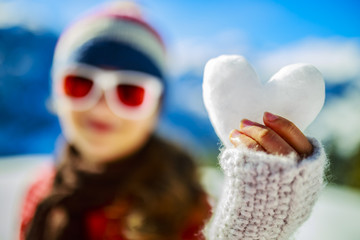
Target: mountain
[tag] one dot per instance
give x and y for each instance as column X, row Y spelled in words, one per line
column 184, row 116
column 26, row 126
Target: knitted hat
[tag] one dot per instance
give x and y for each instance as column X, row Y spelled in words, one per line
column 117, row 37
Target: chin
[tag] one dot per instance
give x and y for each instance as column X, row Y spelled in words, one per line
column 104, row 153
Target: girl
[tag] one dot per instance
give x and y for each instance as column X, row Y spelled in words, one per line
column 116, row 180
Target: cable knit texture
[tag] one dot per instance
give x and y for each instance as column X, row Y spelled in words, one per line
column 266, row 197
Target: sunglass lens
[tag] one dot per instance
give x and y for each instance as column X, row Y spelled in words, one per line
column 76, row 86
column 130, row 95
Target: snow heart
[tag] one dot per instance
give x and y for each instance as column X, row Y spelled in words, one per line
column 232, row 91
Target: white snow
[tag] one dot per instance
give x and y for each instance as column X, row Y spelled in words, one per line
column 232, row 91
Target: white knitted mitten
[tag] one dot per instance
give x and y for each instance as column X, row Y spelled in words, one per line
column 265, row 197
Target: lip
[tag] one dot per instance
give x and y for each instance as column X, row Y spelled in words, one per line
column 99, row 126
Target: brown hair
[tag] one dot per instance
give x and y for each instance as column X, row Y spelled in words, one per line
column 166, row 194
column 159, row 185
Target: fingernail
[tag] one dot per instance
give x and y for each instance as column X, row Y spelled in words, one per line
column 270, row 117
column 235, row 133
column 235, row 137
column 246, row 123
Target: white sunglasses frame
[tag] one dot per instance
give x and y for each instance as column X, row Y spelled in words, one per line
column 105, row 82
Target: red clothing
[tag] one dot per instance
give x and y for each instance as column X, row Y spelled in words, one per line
column 101, row 223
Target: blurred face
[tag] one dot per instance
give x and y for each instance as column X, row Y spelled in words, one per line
column 106, row 114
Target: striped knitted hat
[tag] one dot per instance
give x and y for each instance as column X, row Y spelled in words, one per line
column 115, row 37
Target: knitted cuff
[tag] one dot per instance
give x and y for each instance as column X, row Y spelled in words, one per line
column 266, row 196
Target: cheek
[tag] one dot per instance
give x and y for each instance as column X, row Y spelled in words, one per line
column 138, row 130
column 70, row 123
column 148, row 125
column 135, row 133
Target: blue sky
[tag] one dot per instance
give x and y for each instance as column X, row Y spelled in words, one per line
column 264, row 24
column 264, row 21
column 271, row 34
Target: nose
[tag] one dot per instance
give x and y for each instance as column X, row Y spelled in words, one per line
column 101, row 108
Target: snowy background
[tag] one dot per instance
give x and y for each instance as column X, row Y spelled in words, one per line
column 270, row 34
column 336, row 215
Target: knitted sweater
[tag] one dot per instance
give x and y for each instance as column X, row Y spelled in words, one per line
column 265, row 197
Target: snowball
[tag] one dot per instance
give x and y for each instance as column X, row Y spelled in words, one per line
column 232, row 91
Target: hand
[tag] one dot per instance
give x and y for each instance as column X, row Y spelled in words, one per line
column 278, row 136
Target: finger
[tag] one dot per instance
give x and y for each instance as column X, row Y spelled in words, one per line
column 289, row 132
column 239, row 139
column 266, row 137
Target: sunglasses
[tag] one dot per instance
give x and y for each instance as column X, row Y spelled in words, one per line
column 129, row 94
